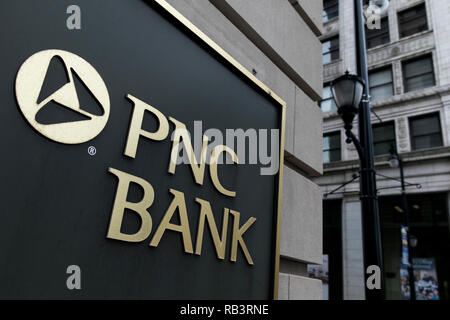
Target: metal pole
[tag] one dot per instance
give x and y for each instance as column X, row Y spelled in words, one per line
column 412, row 286
column 369, row 200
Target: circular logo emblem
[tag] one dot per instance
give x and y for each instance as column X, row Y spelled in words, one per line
column 62, row 96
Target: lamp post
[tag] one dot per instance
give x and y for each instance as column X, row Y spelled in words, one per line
column 396, row 162
column 352, row 97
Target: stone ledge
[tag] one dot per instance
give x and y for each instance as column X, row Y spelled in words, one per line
column 400, row 49
column 310, row 14
column 399, row 99
column 380, row 161
column 409, row 96
column 299, row 288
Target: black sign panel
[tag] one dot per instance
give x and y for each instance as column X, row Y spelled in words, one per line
column 66, row 123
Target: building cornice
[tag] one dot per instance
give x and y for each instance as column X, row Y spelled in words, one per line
column 381, row 161
column 400, row 99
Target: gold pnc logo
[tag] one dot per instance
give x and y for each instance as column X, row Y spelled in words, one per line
column 62, row 96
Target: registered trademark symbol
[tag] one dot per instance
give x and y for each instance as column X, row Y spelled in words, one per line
column 92, row 151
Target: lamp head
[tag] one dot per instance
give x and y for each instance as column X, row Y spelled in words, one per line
column 347, row 92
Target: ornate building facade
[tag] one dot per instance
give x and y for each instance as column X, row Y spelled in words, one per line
column 409, row 71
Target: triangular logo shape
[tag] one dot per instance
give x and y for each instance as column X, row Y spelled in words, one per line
column 68, row 94
column 54, row 112
column 87, row 101
column 55, row 77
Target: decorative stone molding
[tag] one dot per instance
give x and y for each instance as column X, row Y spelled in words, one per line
column 407, row 46
column 410, row 96
column 332, row 70
column 330, row 28
column 403, row 143
column 381, row 162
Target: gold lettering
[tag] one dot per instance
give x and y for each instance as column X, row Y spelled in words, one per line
column 213, row 168
column 206, row 212
column 179, row 203
column 121, row 203
column 136, row 126
column 181, row 133
column 237, row 237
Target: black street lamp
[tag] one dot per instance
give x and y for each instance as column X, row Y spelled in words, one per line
column 396, row 162
column 347, row 92
column 352, row 97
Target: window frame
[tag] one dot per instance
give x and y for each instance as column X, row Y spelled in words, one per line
column 400, row 22
column 393, row 141
column 405, row 78
column 376, row 33
column 389, row 67
column 424, row 116
column 332, row 50
column 328, row 99
column 333, row 133
column 336, row 5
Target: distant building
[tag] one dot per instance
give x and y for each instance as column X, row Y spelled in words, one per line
column 409, row 71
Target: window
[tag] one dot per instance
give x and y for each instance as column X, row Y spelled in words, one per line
column 412, row 20
column 327, row 103
column 330, row 49
column 332, row 147
column 383, row 138
column 418, row 73
column 330, row 10
column 425, row 132
column 376, row 37
column 381, row 84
